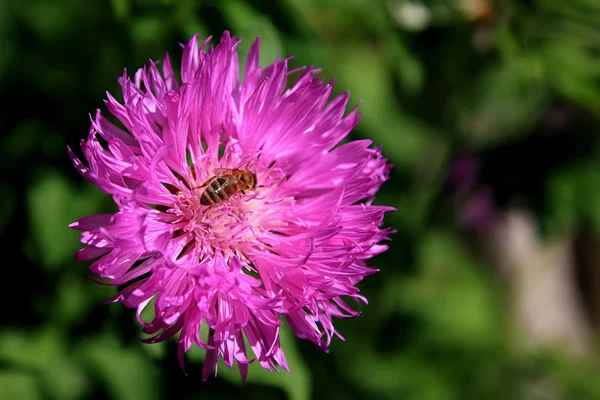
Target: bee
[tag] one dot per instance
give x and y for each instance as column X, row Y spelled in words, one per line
column 226, row 183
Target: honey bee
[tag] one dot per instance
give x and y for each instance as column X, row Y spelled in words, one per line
column 226, row 183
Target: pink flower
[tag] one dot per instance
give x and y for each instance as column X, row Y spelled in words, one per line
column 292, row 246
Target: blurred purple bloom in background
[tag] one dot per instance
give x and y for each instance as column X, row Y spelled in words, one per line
column 478, row 211
column 474, row 201
column 462, row 173
column 292, row 246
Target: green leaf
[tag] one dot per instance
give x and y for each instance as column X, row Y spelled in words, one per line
column 397, row 375
column 23, row 139
column 573, row 70
column 154, row 350
column 187, row 17
column 129, row 373
column 248, row 23
column 573, row 196
column 296, row 384
column 75, row 296
column 47, row 353
column 404, row 139
column 18, row 385
column 406, row 66
column 500, row 108
column 53, row 203
column 121, row 8
column 149, row 29
column 451, row 295
column 44, row 19
column 562, row 198
column 556, row 45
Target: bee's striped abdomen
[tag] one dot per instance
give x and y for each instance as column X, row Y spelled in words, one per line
column 215, row 192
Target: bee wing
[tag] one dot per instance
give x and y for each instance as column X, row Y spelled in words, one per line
column 223, row 171
column 205, row 184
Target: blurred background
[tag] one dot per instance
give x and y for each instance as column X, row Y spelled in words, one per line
column 489, row 111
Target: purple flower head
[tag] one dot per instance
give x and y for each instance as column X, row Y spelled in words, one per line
column 197, row 239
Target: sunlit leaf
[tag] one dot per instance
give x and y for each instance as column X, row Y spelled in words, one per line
column 189, row 19
column 128, row 372
column 121, row 8
column 48, row 353
column 403, row 138
column 18, row 385
column 148, row 29
column 397, row 376
column 75, row 297
column 452, row 295
column 296, row 383
column 53, row 203
column 249, row 23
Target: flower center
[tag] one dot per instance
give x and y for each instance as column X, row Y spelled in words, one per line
column 230, row 224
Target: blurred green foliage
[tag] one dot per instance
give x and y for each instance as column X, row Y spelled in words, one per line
column 513, row 84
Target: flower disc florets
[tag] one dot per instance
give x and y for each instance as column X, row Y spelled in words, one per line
column 291, row 246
